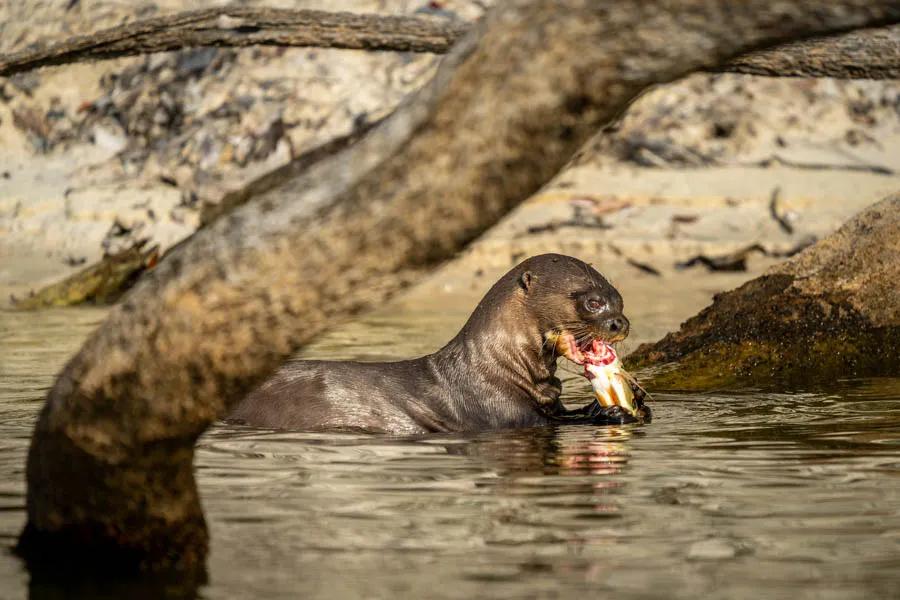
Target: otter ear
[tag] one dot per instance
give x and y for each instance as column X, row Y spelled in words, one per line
column 525, row 280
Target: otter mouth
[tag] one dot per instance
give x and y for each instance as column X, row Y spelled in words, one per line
column 587, row 352
column 611, row 383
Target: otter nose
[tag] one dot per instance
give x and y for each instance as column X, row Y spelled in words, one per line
column 618, row 326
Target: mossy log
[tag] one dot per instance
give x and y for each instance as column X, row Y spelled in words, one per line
column 101, row 283
column 832, row 311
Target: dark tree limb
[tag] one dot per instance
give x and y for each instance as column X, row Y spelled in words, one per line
column 870, row 54
column 110, row 463
column 867, row 54
column 243, row 26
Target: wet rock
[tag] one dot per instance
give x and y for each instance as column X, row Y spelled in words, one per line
column 832, row 311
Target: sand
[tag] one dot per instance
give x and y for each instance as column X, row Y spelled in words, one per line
column 691, row 168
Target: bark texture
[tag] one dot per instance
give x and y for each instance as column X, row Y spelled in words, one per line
column 870, row 54
column 243, row 26
column 867, row 54
column 512, row 102
column 832, row 311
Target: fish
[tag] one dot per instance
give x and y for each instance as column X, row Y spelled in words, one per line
column 610, row 381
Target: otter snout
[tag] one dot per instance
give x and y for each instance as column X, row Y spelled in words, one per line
column 616, row 328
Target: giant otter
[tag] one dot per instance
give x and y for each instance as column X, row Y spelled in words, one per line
column 497, row 373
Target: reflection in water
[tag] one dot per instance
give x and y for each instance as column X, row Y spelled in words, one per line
column 604, row 456
column 739, row 495
column 47, row 586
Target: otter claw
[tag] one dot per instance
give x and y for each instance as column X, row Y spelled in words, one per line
column 593, row 410
column 612, row 415
column 616, row 415
column 640, row 395
column 597, row 414
column 552, row 390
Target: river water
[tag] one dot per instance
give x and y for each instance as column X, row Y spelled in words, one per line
column 729, row 495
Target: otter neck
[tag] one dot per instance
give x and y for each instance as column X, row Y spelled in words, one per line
column 500, row 354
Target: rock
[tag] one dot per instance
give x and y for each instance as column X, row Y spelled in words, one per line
column 109, row 139
column 127, row 231
column 831, row 311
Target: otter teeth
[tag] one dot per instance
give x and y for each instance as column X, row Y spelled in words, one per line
column 602, row 367
column 566, row 346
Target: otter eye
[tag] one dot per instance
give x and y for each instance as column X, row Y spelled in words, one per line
column 594, row 305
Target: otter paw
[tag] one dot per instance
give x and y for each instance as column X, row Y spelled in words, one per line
column 640, row 398
column 645, row 412
column 550, row 391
column 639, row 393
column 610, row 415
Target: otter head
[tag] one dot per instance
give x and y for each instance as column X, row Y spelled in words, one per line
column 573, row 304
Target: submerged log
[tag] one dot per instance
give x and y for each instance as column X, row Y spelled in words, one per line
column 832, row 311
column 109, row 468
column 101, row 283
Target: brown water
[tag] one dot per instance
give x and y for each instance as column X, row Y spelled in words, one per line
column 730, row 495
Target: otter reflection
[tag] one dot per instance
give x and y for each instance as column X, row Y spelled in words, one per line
column 570, row 463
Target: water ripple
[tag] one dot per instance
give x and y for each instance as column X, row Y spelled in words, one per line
column 724, row 495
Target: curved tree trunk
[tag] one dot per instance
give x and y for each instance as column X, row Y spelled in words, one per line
column 109, row 471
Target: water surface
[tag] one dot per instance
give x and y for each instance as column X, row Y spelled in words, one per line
column 730, row 495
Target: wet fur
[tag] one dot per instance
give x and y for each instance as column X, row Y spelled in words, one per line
column 497, row 373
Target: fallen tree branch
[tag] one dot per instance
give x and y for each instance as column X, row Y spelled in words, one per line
column 867, row 54
column 244, row 26
column 110, row 467
column 870, row 54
